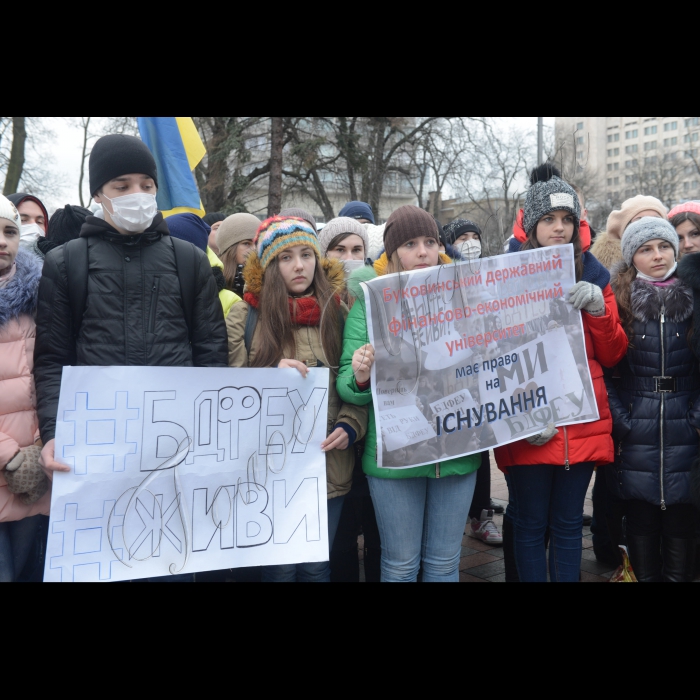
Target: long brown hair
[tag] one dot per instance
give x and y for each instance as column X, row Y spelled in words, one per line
column 622, row 286
column 533, row 244
column 230, row 266
column 686, row 216
column 276, row 325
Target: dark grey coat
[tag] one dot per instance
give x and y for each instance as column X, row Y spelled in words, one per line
column 656, row 433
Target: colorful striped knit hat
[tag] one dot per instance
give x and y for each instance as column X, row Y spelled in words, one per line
column 279, row 233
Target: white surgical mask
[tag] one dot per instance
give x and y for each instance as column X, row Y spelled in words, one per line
column 351, row 266
column 646, row 278
column 30, row 234
column 133, row 212
column 470, row 250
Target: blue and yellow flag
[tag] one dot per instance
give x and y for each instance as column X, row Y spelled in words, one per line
column 178, row 150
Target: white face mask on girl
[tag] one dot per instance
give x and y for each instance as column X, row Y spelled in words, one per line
column 133, row 212
column 647, row 278
column 30, row 234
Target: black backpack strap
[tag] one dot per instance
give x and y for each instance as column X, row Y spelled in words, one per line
column 187, row 269
column 250, row 326
column 76, row 257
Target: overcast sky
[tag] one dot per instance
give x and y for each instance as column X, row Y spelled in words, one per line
column 65, row 147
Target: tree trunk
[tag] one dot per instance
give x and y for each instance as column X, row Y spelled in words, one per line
column 16, row 164
column 274, row 204
column 86, row 137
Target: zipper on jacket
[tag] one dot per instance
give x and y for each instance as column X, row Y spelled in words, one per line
column 437, row 470
column 155, row 294
column 663, row 405
column 566, row 447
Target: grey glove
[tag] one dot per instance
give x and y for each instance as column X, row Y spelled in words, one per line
column 25, row 477
column 588, row 297
column 543, row 438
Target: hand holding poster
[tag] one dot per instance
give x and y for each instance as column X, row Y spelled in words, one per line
column 177, row 471
column 476, row 355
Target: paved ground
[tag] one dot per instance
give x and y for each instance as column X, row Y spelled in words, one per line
column 484, row 564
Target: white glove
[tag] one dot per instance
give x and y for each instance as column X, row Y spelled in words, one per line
column 588, row 297
column 543, row 438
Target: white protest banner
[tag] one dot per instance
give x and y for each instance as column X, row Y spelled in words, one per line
column 476, row 355
column 178, row 471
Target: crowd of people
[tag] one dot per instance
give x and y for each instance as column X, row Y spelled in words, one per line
column 123, row 286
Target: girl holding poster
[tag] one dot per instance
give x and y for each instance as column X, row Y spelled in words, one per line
column 421, row 512
column 292, row 317
column 549, row 474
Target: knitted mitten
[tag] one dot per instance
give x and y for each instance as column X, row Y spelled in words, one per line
column 25, row 477
column 589, row 298
column 543, row 438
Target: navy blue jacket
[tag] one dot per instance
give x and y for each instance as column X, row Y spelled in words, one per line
column 656, row 432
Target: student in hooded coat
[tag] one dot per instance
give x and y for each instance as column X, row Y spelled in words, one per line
column 346, row 240
column 235, row 241
column 655, row 405
column 24, row 488
column 214, row 222
column 608, row 246
column 117, row 296
column 192, row 229
column 35, row 221
column 296, row 213
column 686, row 220
column 463, row 242
column 549, row 474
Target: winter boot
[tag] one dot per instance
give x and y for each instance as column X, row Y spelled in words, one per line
column 679, row 560
column 645, row 555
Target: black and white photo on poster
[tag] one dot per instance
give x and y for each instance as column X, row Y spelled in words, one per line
column 475, row 355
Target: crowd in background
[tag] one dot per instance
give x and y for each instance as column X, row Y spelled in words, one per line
column 125, row 287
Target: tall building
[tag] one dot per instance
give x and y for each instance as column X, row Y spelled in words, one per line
column 620, row 157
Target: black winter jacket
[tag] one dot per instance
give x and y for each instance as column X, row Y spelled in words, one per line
column 655, row 432
column 134, row 315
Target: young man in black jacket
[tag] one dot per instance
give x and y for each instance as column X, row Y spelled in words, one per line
column 125, row 293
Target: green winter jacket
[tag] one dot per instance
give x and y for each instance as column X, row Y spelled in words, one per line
column 356, row 336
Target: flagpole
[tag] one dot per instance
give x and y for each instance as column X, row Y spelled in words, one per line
column 540, row 140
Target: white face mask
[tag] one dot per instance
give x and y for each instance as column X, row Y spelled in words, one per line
column 470, row 250
column 30, row 234
column 646, row 278
column 133, row 212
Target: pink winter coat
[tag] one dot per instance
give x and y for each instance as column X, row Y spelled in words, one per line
column 19, row 425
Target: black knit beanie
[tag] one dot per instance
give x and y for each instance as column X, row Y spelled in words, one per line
column 117, row 155
column 458, row 228
column 405, row 224
column 65, row 226
column 214, row 218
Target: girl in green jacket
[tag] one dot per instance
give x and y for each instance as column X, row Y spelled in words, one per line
column 421, row 512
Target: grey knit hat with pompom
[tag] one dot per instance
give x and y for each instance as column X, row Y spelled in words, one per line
column 647, row 229
column 545, row 197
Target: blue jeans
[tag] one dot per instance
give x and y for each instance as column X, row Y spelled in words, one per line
column 309, row 573
column 549, row 497
column 422, row 520
column 17, row 542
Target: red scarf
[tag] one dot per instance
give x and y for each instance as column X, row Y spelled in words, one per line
column 304, row 312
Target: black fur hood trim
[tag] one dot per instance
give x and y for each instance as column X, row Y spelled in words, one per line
column 647, row 301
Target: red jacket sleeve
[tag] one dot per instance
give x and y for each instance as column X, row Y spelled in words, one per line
column 610, row 342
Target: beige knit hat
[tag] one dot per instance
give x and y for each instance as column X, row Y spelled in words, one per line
column 620, row 220
column 338, row 227
column 236, row 229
